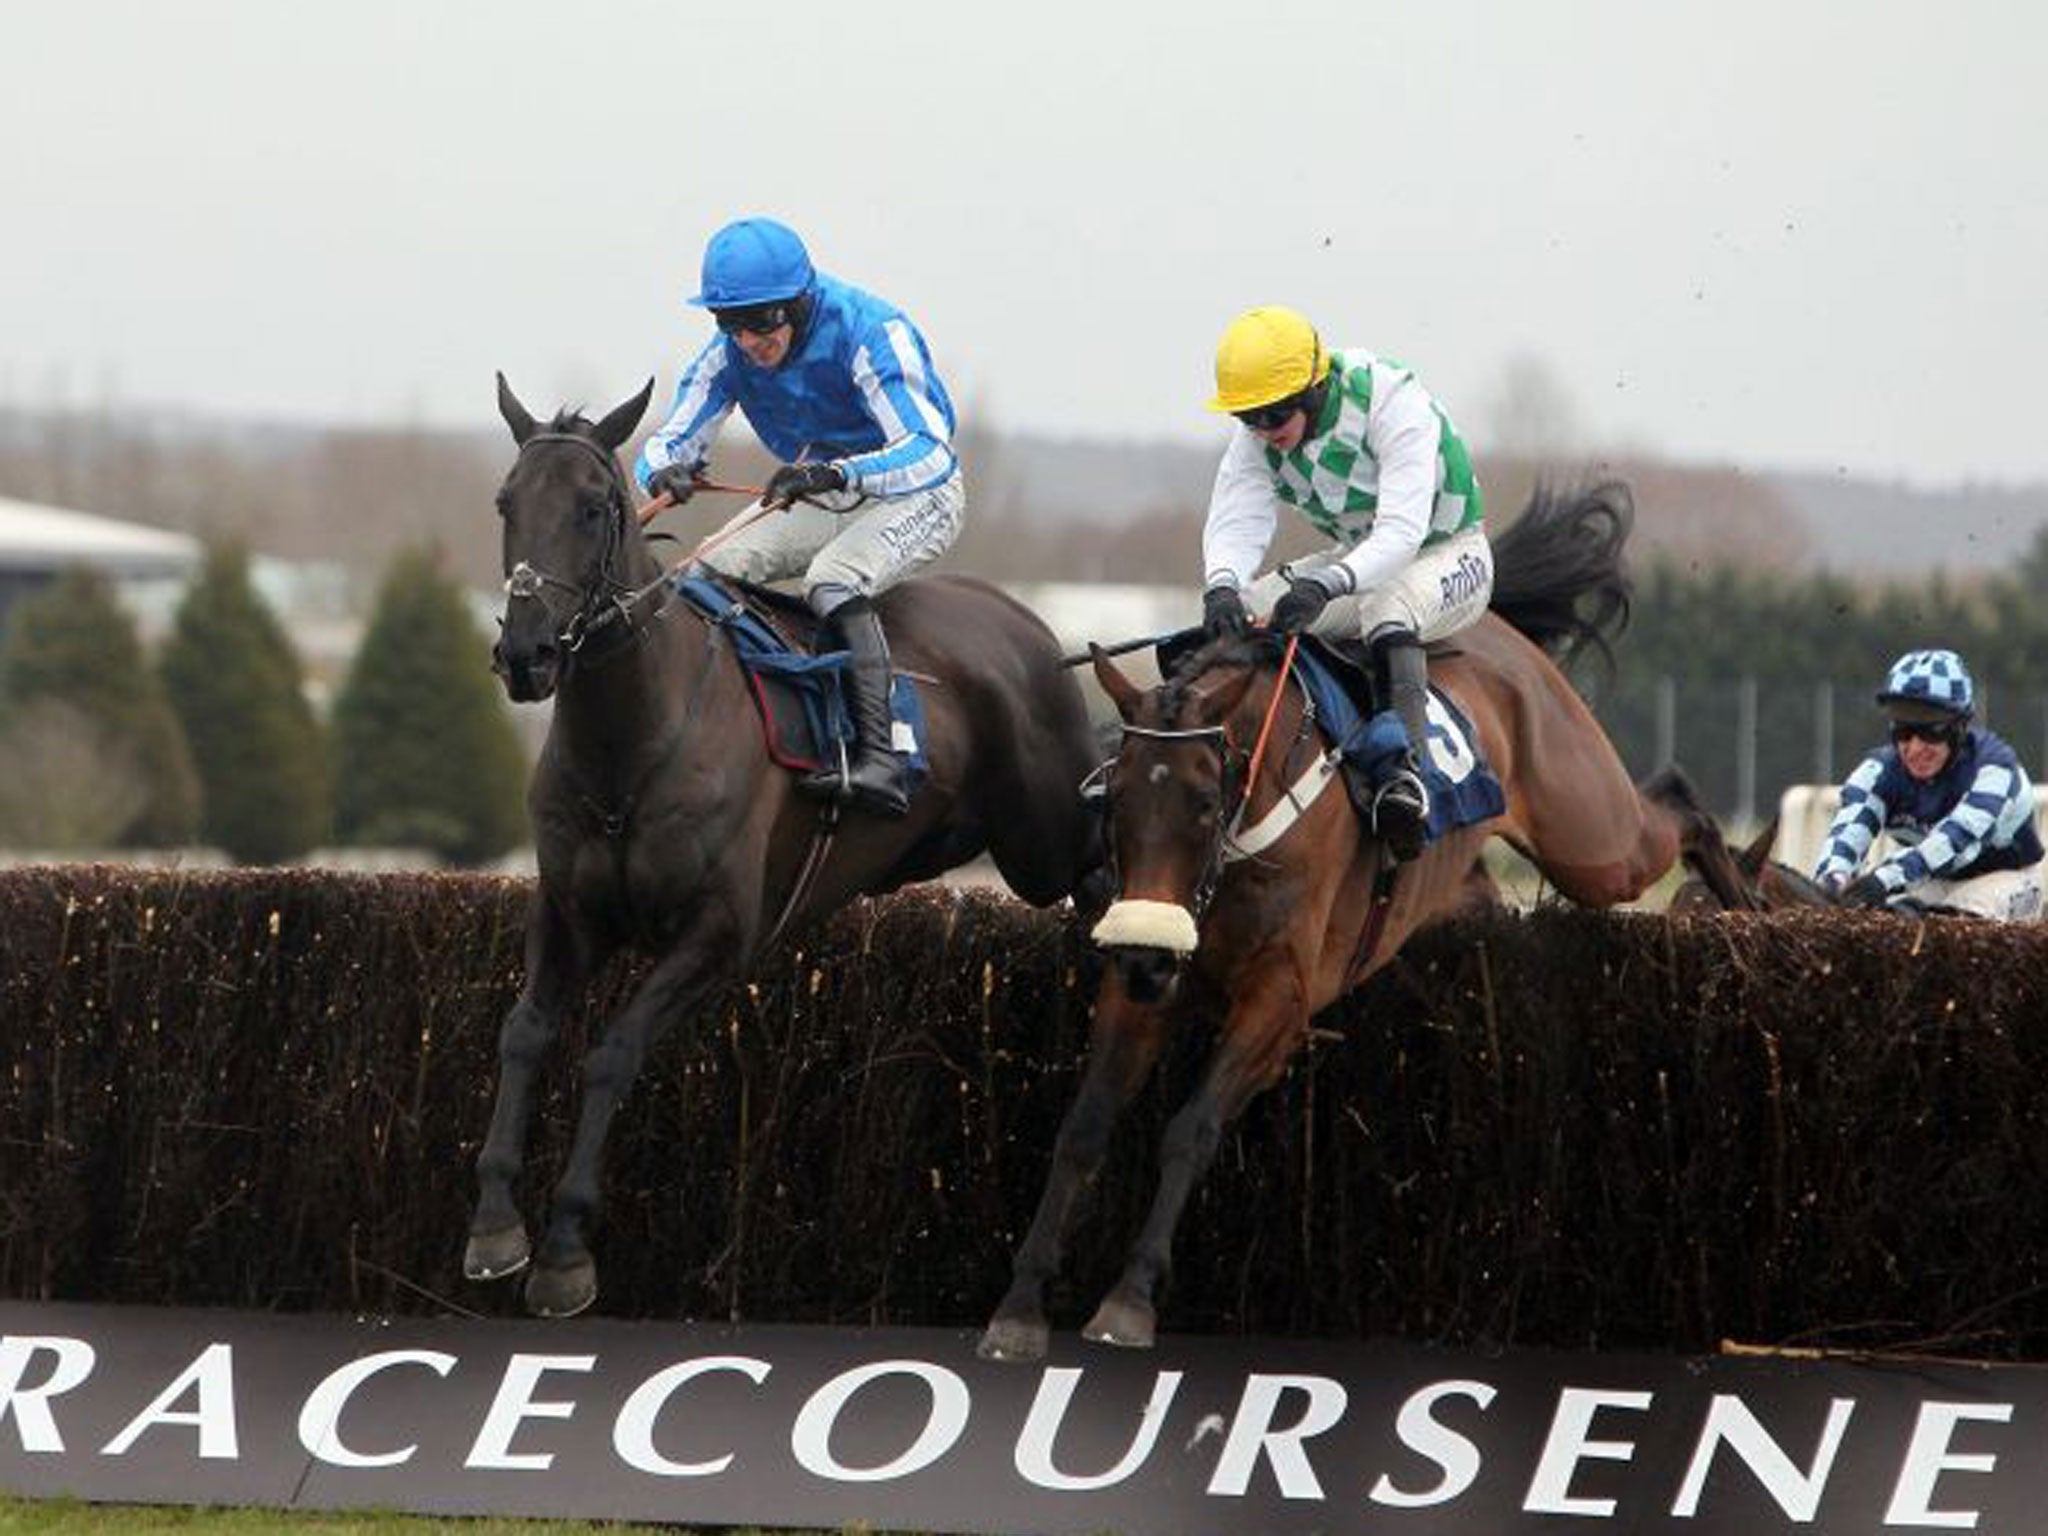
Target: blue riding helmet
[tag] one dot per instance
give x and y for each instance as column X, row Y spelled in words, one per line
column 1932, row 679
column 754, row 261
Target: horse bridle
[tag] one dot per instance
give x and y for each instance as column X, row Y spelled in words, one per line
column 605, row 599
column 1232, row 760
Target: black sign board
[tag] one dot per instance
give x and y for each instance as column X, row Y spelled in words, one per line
column 906, row 1429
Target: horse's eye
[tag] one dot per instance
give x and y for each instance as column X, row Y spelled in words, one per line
column 504, row 500
column 590, row 507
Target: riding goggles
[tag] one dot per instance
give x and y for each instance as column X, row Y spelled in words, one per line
column 756, row 319
column 1267, row 418
column 1943, row 733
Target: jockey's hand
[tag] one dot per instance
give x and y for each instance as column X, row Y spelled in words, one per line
column 1306, row 597
column 1223, row 613
column 793, row 481
column 678, row 482
column 1866, row 891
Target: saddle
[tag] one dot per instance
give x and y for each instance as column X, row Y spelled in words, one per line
column 799, row 691
column 1337, row 675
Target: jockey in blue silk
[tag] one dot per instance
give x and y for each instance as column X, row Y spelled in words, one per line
column 1952, row 795
column 840, row 386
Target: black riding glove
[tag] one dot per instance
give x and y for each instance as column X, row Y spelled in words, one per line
column 1304, row 600
column 1867, row 891
column 792, row 481
column 678, row 482
column 1223, row 613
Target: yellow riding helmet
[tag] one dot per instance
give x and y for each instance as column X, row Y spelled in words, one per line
column 1266, row 355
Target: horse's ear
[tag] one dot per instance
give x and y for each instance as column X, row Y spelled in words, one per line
column 618, row 426
column 1752, row 859
column 516, row 415
column 1123, row 693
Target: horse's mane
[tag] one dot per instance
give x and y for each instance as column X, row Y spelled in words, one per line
column 1224, row 651
column 570, row 418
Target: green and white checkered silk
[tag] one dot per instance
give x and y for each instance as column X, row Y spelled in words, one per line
column 1332, row 476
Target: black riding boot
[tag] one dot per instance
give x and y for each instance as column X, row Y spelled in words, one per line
column 874, row 780
column 1400, row 809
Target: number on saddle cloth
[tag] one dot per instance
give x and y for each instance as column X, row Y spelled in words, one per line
column 801, row 698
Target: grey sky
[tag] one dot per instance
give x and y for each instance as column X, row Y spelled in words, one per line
column 1781, row 233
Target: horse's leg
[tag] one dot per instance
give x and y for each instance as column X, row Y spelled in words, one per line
column 1122, row 1050
column 555, row 963
column 564, row 1279
column 1045, row 839
column 1267, row 1023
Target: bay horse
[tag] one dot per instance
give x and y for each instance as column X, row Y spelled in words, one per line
column 662, row 825
column 1258, row 944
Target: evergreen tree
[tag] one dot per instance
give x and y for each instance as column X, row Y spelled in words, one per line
column 237, row 685
column 72, row 644
column 425, row 752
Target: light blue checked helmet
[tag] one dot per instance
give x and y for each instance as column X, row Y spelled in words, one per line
column 1935, row 680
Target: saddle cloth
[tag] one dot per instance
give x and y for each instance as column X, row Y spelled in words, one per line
column 1462, row 787
column 801, row 696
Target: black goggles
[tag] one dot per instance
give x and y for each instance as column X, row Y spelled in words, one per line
column 1944, row 733
column 756, row 319
column 1268, row 418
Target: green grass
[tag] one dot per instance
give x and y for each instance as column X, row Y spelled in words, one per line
column 72, row 1517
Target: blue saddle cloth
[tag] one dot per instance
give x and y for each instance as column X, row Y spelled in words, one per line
column 1462, row 788
column 802, row 697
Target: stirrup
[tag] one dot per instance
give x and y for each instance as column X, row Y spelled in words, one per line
column 1400, row 814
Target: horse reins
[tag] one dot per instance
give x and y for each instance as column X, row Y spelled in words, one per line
column 527, row 581
column 604, row 599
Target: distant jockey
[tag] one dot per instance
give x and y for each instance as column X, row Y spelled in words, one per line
column 840, row 386
column 1356, row 445
column 1951, row 794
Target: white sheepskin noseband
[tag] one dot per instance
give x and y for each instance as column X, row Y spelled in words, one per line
column 1147, row 925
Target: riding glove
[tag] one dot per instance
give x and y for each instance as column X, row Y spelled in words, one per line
column 1867, row 891
column 1304, row 600
column 678, row 482
column 1223, row 613
column 792, row 481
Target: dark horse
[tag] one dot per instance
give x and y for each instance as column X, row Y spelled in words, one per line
column 1259, row 943
column 1764, row 883
column 662, row 826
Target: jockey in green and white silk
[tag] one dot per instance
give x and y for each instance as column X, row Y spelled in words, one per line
column 1355, row 444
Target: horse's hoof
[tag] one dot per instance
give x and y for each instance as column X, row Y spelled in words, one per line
column 561, row 1290
column 1120, row 1321
column 494, row 1255
column 1014, row 1338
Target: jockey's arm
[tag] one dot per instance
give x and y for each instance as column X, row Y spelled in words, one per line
column 1855, row 826
column 890, row 373
column 1242, row 514
column 701, row 405
column 1952, row 842
column 1405, row 435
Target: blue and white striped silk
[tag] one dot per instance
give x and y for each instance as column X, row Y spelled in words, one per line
column 1975, row 816
column 858, row 387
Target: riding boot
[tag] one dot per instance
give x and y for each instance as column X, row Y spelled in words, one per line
column 874, row 778
column 1400, row 808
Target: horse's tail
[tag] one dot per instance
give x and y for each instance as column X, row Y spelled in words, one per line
column 1557, row 569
